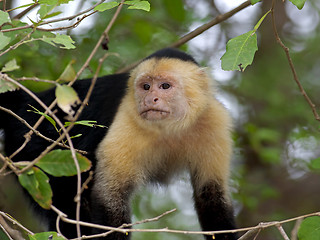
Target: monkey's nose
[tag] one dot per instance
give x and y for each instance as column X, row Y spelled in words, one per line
column 155, row 99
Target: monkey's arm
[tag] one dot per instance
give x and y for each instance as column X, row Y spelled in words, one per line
column 214, row 210
column 210, row 172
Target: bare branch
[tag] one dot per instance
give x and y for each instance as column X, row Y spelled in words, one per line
column 206, row 26
column 67, row 27
column 294, row 231
column 24, row 12
column 293, row 70
column 197, row 31
column 282, row 232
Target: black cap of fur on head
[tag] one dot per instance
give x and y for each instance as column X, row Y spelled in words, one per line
column 172, row 53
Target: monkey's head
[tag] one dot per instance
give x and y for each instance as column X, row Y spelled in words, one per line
column 169, row 91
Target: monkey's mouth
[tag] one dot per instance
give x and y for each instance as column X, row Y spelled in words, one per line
column 154, row 114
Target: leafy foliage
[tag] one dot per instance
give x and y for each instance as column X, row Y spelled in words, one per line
column 10, row 66
column 136, row 4
column 60, row 40
column 60, row 163
column 298, row 3
column 310, row 229
column 276, row 138
column 6, row 86
column 4, row 17
column 37, row 184
column 45, row 236
column 57, row 163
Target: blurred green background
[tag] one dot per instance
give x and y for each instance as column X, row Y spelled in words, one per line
column 275, row 134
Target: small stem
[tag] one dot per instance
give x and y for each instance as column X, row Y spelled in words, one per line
column 295, row 75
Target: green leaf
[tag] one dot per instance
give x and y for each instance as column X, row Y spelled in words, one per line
column 46, row 236
column 315, row 164
column 6, row 86
column 52, row 15
column 260, row 21
column 310, row 229
column 88, row 123
column 10, row 66
column 49, row 2
column 4, row 17
column 240, row 52
column 143, row 5
column 69, row 73
column 50, row 119
column 37, row 184
column 106, row 6
column 23, row 6
column 76, row 136
column 44, row 10
column 175, row 9
column 4, row 41
column 253, row 2
column 54, row 2
column 298, row 3
column 67, row 98
column 60, row 163
column 61, row 40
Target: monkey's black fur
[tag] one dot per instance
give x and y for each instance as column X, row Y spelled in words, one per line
column 214, row 213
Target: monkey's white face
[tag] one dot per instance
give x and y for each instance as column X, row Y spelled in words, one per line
column 160, row 97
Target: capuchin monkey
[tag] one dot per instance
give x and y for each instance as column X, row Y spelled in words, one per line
column 162, row 118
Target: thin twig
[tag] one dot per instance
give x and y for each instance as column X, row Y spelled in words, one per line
column 54, row 20
column 260, row 226
column 117, row 229
column 295, row 75
column 31, row 94
column 7, row 229
column 67, row 27
column 5, row 215
column 9, row 164
column 36, row 131
column 24, row 12
column 294, row 231
column 35, row 79
column 105, row 33
column 206, row 26
column 18, row 43
column 87, row 181
column 282, row 232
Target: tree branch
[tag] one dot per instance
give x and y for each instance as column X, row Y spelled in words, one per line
column 197, row 31
column 54, row 20
column 293, row 70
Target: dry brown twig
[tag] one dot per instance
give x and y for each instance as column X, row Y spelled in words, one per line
column 293, row 70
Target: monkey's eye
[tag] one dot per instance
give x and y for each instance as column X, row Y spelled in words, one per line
column 146, row 86
column 165, row 85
